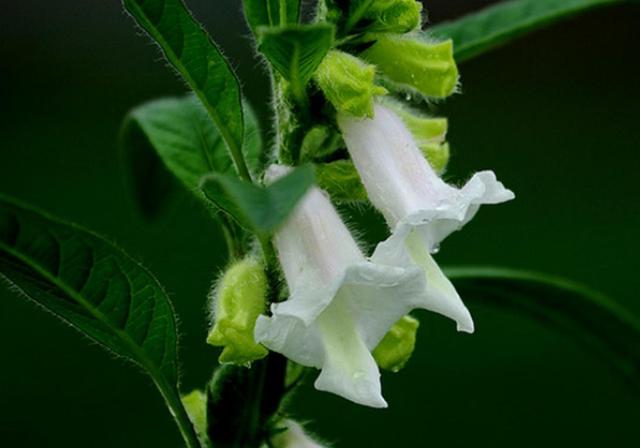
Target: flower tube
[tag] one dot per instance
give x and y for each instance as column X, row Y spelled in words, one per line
column 340, row 304
column 419, row 207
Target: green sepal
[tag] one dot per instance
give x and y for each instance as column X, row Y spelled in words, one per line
column 295, row 51
column 437, row 155
column 414, row 64
column 348, row 83
column 341, row 180
column 320, row 141
column 240, row 298
column 428, row 132
column 395, row 349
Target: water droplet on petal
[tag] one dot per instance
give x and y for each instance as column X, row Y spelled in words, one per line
column 435, row 249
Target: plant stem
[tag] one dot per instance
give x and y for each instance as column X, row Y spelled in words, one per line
column 283, row 12
column 234, row 247
column 239, row 162
column 173, row 402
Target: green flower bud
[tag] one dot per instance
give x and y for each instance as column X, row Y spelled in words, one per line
column 393, row 16
column 428, row 132
column 414, row 64
column 395, row 349
column 195, row 403
column 348, row 83
column 239, row 300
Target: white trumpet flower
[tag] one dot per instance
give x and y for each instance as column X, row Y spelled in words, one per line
column 419, row 207
column 340, row 304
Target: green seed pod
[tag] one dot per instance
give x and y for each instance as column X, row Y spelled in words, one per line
column 348, row 83
column 239, row 300
column 395, row 349
column 415, row 65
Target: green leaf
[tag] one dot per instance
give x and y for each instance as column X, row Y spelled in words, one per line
column 259, row 209
column 482, row 31
column 176, row 136
column 270, row 12
column 296, row 51
column 194, row 55
column 96, row 288
column 586, row 315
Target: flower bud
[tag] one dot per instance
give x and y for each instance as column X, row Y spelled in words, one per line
column 195, row 403
column 239, row 300
column 348, row 83
column 415, row 64
column 397, row 346
column 393, row 16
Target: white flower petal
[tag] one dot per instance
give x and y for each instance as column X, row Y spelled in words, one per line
column 409, row 248
column 370, row 299
column 349, row 369
column 291, row 337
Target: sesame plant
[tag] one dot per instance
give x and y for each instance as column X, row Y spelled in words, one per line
column 354, row 86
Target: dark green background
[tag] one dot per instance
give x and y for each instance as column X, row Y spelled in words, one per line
column 555, row 115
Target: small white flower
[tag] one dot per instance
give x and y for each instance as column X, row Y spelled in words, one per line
column 419, row 207
column 340, row 304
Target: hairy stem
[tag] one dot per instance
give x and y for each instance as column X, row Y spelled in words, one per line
column 180, row 416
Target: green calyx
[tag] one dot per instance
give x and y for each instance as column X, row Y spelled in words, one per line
column 395, row 349
column 393, row 16
column 320, row 141
column 414, row 64
column 239, row 300
column 428, row 132
column 437, row 154
column 348, row 83
column 341, row 180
